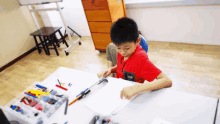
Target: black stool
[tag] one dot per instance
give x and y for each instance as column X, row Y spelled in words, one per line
column 48, row 38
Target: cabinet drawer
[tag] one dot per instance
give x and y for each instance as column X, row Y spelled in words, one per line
column 100, row 40
column 100, row 26
column 98, row 15
column 95, row 4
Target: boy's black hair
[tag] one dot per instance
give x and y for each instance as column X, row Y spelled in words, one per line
column 124, row 30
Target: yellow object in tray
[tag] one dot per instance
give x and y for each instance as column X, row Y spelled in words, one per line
column 37, row 92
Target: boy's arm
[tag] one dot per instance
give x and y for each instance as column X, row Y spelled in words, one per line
column 162, row 82
column 107, row 72
column 114, row 69
column 110, row 65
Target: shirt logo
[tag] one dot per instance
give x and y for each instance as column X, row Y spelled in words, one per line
column 129, row 76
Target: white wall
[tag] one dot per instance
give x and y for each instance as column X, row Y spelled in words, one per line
column 185, row 24
column 44, row 15
column 28, row 2
column 16, row 26
column 54, row 19
column 165, row 3
column 73, row 14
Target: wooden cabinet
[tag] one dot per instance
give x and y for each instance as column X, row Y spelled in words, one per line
column 100, row 15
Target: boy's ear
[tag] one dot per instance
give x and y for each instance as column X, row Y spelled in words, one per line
column 138, row 40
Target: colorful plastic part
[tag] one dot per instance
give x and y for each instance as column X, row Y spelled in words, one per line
column 37, row 92
column 31, row 95
column 16, row 108
column 45, row 98
column 38, row 107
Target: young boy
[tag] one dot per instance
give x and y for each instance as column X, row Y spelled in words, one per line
column 132, row 61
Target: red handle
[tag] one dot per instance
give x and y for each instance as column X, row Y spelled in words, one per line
column 61, row 87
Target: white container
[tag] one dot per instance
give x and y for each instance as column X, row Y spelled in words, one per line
column 29, row 117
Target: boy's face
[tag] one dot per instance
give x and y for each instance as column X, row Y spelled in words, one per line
column 128, row 48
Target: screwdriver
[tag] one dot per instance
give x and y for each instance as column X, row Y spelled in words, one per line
column 86, row 91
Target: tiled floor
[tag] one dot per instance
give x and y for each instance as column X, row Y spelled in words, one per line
column 192, row 68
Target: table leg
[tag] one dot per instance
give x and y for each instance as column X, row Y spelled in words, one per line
column 39, row 50
column 45, row 40
column 43, row 45
column 55, row 39
column 48, row 38
column 51, row 37
column 63, row 38
column 216, row 111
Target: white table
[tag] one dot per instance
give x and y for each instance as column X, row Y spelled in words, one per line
column 172, row 106
column 217, row 121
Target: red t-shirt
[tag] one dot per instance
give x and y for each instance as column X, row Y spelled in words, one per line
column 138, row 66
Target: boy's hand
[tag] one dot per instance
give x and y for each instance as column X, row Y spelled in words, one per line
column 104, row 73
column 130, row 91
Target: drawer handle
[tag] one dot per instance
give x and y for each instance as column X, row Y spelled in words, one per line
column 93, row 1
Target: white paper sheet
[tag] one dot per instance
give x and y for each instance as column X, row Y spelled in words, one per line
column 160, row 121
column 107, row 101
column 80, row 80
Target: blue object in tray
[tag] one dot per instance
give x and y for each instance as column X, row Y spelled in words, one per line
column 53, row 92
column 30, row 95
column 45, row 98
column 39, row 86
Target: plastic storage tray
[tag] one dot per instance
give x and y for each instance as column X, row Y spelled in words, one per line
column 28, row 114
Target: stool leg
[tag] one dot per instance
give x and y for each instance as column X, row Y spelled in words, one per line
column 54, row 45
column 43, row 45
column 55, row 39
column 63, row 38
column 39, row 50
column 45, row 40
column 47, row 45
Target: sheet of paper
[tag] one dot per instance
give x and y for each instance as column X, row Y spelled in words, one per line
column 108, row 100
column 80, row 80
column 160, row 121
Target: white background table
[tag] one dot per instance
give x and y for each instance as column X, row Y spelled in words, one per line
column 217, row 121
column 172, row 106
